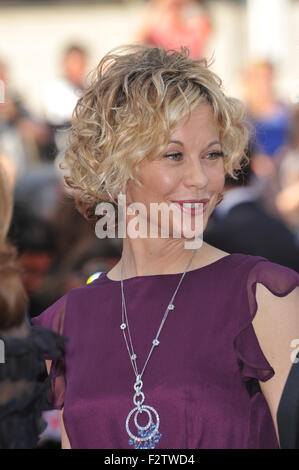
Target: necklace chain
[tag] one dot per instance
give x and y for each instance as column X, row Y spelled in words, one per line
column 125, row 323
column 148, row 435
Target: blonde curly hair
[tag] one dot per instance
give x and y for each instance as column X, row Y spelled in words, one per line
column 136, row 97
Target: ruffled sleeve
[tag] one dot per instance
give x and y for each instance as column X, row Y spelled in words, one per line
column 53, row 318
column 280, row 281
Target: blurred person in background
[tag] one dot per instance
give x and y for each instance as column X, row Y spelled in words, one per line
column 41, row 191
column 78, row 255
column 24, row 140
column 175, row 23
column 268, row 115
column 23, row 392
column 62, row 94
column 241, row 224
column 88, row 258
column 70, row 242
column 287, row 199
column 55, row 257
column 35, row 240
column 12, row 147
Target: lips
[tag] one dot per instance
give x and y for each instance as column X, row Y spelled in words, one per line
column 182, row 201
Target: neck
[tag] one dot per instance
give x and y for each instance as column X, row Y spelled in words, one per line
column 146, row 257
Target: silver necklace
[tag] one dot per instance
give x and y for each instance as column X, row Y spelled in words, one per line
column 148, row 435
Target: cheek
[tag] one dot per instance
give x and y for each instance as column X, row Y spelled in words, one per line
column 157, row 184
column 217, row 178
column 163, row 184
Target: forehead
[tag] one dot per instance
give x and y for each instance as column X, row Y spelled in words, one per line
column 200, row 124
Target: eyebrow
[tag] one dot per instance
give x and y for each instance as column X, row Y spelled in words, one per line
column 214, row 142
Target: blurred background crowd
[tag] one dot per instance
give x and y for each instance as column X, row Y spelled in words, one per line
column 47, row 49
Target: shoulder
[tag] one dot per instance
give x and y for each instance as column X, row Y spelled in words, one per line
column 239, row 261
column 93, row 286
column 270, row 296
column 278, row 279
column 87, row 289
column 90, row 294
column 273, row 291
column 70, row 305
column 277, row 316
column 261, row 270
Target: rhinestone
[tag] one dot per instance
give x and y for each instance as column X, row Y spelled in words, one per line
column 156, row 342
column 170, row 307
column 133, row 357
column 123, row 326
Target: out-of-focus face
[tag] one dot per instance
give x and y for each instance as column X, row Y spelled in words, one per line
column 191, row 168
column 75, row 67
column 260, row 79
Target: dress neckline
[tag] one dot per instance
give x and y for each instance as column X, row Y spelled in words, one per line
column 164, row 276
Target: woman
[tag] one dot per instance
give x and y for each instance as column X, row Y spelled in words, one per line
column 23, row 395
column 170, row 348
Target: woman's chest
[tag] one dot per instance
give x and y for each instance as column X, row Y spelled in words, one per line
column 190, row 379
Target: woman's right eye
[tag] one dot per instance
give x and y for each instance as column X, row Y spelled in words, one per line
column 173, row 156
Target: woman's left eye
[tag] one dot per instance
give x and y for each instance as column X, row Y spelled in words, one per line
column 174, row 156
column 215, row 155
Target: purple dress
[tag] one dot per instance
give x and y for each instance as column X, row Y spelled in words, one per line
column 203, row 377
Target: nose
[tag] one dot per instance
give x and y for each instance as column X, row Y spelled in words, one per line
column 195, row 174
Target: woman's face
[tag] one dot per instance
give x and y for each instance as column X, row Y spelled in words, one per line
column 190, row 169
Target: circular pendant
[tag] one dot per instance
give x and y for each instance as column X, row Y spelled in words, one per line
column 148, row 435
